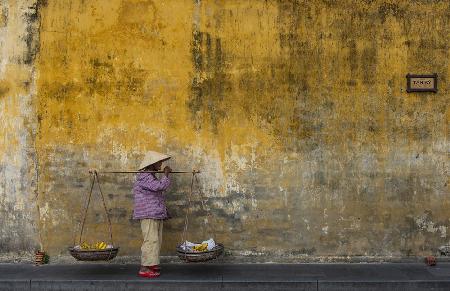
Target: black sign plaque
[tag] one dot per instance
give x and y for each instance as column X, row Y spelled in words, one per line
column 421, row 83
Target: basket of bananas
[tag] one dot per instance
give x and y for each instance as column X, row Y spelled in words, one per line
column 99, row 251
column 199, row 252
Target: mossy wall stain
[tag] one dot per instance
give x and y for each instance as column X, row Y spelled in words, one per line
column 296, row 113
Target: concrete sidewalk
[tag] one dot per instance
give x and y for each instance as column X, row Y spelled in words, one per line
column 215, row 276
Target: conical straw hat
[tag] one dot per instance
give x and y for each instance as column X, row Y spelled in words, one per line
column 152, row 157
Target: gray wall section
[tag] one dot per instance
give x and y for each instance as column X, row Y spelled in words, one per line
column 18, row 173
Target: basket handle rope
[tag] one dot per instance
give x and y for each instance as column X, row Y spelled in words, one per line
column 208, row 213
column 186, row 219
column 94, row 178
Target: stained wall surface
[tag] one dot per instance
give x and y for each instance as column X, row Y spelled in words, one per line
column 18, row 164
column 296, row 112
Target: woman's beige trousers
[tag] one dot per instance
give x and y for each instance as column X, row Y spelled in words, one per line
column 152, row 233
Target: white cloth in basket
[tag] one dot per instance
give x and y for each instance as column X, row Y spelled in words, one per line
column 188, row 246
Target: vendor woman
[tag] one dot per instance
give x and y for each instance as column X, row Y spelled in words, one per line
column 150, row 209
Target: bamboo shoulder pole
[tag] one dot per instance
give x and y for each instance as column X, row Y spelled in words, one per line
column 133, row 172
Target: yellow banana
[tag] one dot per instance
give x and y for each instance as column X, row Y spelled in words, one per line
column 101, row 245
column 201, row 247
column 85, row 246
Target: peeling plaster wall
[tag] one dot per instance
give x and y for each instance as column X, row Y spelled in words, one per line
column 18, row 175
column 295, row 111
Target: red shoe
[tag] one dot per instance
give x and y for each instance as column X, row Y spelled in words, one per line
column 149, row 274
column 155, row 268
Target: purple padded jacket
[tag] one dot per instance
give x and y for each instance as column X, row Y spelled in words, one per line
column 149, row 200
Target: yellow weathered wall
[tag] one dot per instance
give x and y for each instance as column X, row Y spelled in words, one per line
column 295, row 111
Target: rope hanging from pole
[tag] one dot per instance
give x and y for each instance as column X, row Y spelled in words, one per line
column 95, row 178
column 194, row 179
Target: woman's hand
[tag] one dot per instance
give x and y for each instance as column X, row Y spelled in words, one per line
column 167, row 170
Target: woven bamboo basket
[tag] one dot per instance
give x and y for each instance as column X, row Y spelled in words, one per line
column 200, row 256
column 94, row 255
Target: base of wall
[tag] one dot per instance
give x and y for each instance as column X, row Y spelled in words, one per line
column 230, row 258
